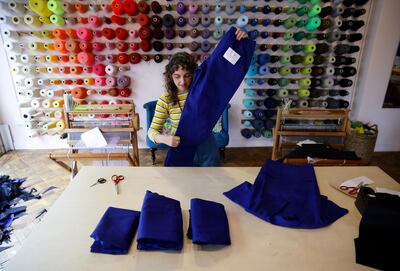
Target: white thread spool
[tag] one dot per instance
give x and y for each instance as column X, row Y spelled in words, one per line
column 35, row 103
column 42, row 82
column 123, row 68
column 5, row 20
column 55, row 93
column 32, row 21
column 32, row 93
column 32, row 114
column 33, row 133
column 31, row 124
column 39, row 59
column 13, row 59
column 329, row 71
column 16, row 7
column 19, row 82
column 328, row 82
column 21, row 93
column 29, row 82
column 10, row 34
column 58, row 114
column 49, row 114
column 29, row 70
column 13, row 47
column 27, row 59
column 91, row 116
column 46, row 103
column 50, row 69
column 16, row 20
column 111, row 70
column 24, row 104
column 331, row 59
column 43, row 92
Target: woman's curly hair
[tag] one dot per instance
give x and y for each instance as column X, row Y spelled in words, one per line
column 184, row 60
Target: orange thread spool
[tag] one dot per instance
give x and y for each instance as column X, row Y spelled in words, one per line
column 73, row 59
column 59, row 46
column 64, row 58
column 71, row 33
column 81, row 8
column 60, row 34
column 76, row 70
column 72, row 46
column 79, row 92
column 89, row 81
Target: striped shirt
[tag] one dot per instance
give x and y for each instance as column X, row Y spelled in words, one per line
column 166, row 110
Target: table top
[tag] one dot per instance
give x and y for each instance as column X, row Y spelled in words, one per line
column 61, row 241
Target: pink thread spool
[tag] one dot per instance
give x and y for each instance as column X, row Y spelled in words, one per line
column 111, row 58
column 84, row 33
column 99, row 58
column 110, row 45
column 100, row 81
column 99, row 69
column 87, row 69
column 111, row 81
column 95, row 21
column 86, row 58
column 97, row 33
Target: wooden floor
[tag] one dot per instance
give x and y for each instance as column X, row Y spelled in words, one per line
column 43, row 172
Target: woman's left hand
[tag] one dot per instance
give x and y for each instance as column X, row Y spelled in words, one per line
column 240, row 34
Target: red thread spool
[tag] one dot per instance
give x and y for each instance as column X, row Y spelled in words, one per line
column 99, row 69
column 76, row 70
column 98, row 46
column 64, row 59
column 86, row 58
column 108, row 33
column 68, row 82
column 95, row 21
column 85, row 46
column 103, row 92
column 145, row 45
column 79, row 93
column 78, row 81
column 122, row 58
column 122, row 46
column 143, row 20
column 121, row 33
column 145, row 33
column 143, row 7
column 134, row 58
column 72, row 46
column 100, row 81
column 125, row 92
column 117, row 7
column 130, row 7
column 84, row 33
column 65, row 70
column 113, row 92
column 134, row 46
column 118, row 20
column 60, row 34
column 81, row 8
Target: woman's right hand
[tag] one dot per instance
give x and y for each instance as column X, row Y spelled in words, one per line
column 170, row 140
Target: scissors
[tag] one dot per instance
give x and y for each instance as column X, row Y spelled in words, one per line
column 116, row 179
column 351, row 190
column 99, row 181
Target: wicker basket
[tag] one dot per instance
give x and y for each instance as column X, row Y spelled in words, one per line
column 362, row 144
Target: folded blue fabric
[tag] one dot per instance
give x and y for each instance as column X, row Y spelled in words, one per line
column 214, row 83
column 160, row 225
column 115, row 231
column 208, row 223
column 287, row 195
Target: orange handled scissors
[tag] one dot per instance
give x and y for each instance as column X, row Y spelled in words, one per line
column 116, row 179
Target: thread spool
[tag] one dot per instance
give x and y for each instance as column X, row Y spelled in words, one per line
column 29, row 82
column 49, row 125
column 46, row 103
column 32, row 93
column 16, row 7
column 58, row 114
column 29, row 70
column 56, row 7
column 57, row 20
column 49, row 114
column 44, row 20
column 58, row 103
column 32, row 124
column 60, row 125
column 32, row 21
column 10, row 34
column 5, row 20
column 16, row 20
column 39, row 7
column 37, row 46
column 54, row 93
column 13, row 47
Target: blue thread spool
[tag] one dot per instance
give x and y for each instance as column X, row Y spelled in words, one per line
column 247, row 123
column 263, row 70
column 250, row 82
column 246, row 133
column 242, row 21
column 249, row 104
column 250, row 92
column 260, row 82
column 252, row 70
column 253, row 34
column 266, row 22
column 257, row 124
column 270, row 103
column 263, row 59
column 264, row 34
column 253, row 22
column 218, row 33
column 254, row 59
column 266, row 9
column 218, row 21
column 230, row 9
column 254, row 9
column 218, row 8
column 259, row 114
column 260, row 92
column 247, row 114
column 256, row 133
column 242, row 9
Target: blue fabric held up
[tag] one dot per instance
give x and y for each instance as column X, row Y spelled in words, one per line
column 160, row 225
column 287, row 195
column 208, row 223
column 115, row 230
column 214, row 83
column 207, row 154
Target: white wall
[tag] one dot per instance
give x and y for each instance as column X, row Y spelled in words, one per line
column 383, row 37
column 378, row 56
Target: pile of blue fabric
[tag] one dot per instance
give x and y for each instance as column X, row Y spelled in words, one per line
column 11, row 193
column 160, row 226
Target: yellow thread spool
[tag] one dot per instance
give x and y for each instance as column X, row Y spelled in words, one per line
column 49, row 46
column 50, row 125
column 37, row 46
column 61, row 125
column 39, row 7
column 89, row 81
column 44, row 20
column 51, row 58
column 55, row 82
column 58, row 103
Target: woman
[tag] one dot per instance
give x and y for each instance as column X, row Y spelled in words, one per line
column 178, row 76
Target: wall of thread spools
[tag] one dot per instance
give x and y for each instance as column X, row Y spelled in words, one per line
column 307, row 51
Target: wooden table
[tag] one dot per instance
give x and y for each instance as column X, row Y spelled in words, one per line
column 62, row 242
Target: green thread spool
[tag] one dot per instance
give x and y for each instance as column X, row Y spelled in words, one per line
column 302, row 10
column 314, row 2
column 310, row 36
column 308, row 60
column 290, row 10
column 301, row 23
column 302, row 93
column 297, row 48
column 288, row 35
column 304, row 82
column 305, row 71
column 286, row 47
column 283, row 93
column 302, row 1
column 284, row 70
column 289, row 22
column 313, row 23
column 57, row 20
column 309, row 48
column 298, row 36
column 284, row 59
column 282, row 82
column 314, row 11
column 56, row 7
column 249, row 103
column 247, row 123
